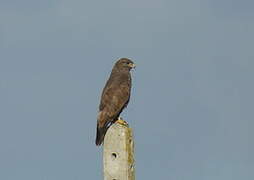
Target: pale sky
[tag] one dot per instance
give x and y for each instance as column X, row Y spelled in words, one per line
column 191, row 107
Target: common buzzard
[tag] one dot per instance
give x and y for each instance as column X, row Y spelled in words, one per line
column 115, row 97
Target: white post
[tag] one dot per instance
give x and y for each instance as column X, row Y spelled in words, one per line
column 118, row 153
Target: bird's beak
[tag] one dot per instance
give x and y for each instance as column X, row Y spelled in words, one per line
column 132, row 65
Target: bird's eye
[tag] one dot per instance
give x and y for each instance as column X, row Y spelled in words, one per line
column 127, row 62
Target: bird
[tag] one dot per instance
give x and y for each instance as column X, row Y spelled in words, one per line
column 114, row 98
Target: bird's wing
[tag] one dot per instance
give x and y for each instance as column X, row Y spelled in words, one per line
column 114, row 98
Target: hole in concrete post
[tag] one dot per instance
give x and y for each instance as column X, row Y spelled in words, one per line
column 113, row 155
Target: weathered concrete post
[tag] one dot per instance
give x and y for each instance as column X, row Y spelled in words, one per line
column 118, row 153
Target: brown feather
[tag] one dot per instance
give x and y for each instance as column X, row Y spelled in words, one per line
column 115, row 97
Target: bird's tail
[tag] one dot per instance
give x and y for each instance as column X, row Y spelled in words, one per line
column 101, row 131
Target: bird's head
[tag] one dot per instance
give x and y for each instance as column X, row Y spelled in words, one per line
column 125, row 63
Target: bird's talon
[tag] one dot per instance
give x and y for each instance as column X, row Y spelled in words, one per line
column 122, row 122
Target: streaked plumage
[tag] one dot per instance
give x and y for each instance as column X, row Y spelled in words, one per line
column 115, row 97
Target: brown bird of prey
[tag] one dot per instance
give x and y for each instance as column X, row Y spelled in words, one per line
column 115, row 97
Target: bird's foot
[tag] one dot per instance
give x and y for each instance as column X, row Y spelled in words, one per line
column 122, row 122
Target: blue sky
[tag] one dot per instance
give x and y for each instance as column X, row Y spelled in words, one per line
column 192, row 100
